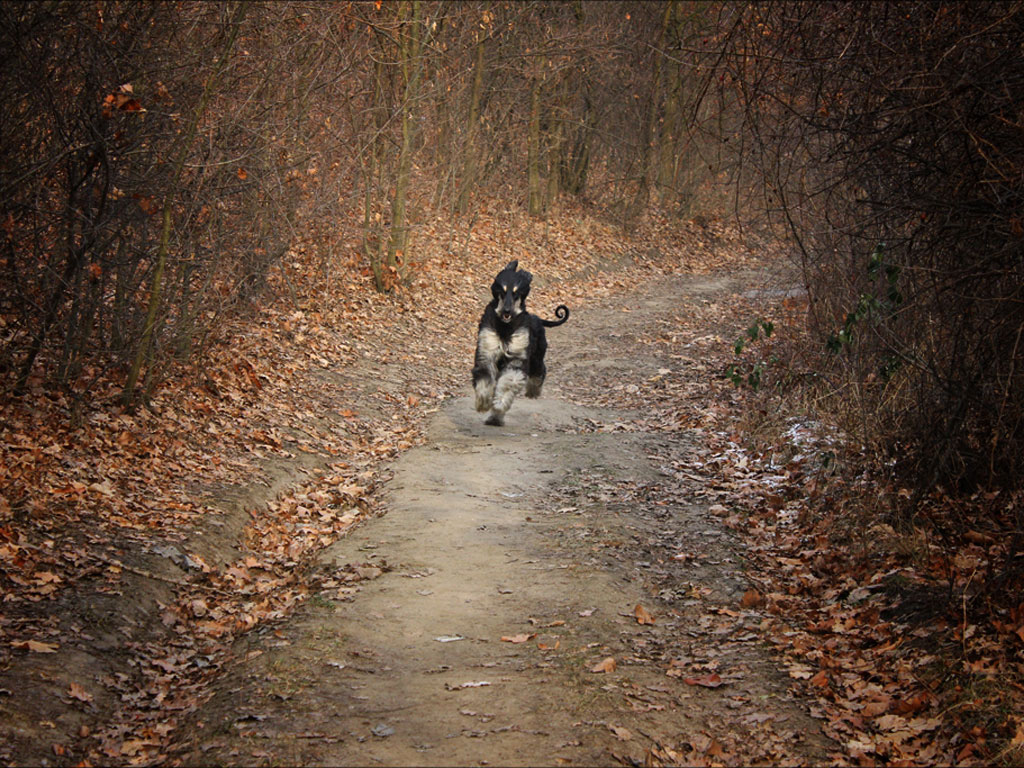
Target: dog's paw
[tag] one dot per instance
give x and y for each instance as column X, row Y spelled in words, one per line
column 533, row 387
column 495, row 420
column 483, row 403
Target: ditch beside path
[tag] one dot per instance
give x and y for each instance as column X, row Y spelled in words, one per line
column 557, row 591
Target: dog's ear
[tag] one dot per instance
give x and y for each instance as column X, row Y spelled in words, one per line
column 523, row 279
column 512, row 266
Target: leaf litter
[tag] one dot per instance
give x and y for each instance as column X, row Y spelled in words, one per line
column 85, row 498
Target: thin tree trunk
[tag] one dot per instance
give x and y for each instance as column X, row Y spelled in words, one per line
column 470, row 158
column 142, row 354
column 412, row 65
column 555, row 142
column 76, row 254
column 643, row 191
column 668, row 146
column 373, row 246
column 536, row 198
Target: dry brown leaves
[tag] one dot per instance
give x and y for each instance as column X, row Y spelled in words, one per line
column 330, row 370
column 862, row 617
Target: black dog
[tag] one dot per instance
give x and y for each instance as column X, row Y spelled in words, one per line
column 510, row 345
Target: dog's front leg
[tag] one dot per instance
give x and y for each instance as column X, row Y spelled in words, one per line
column 511, row 383
column 483, row 385
column 512, row 378
column 485, row 371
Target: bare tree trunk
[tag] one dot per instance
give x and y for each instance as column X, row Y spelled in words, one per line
column 668, row 146
column 142, row 353
column 574, row 171
column 643, row 190
column 412, row 65
column 555, row 144
column 78, row 211
column 373, row 245
column 471, row 158
column 536, row 196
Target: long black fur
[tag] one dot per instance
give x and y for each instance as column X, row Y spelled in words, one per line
column 511, row 344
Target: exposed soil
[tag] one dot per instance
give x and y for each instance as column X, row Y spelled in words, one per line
column 468, row 624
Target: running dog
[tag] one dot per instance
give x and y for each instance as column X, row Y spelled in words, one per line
column 510, row 345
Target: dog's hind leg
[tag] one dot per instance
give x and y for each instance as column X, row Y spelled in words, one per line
column 537, row 371
column 512, row 382
column 533, row 386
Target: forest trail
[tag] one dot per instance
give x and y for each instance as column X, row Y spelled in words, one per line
column 472, row 623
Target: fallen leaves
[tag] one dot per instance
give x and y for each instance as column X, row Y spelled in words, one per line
column 76, row 691
column 129, row 478
column 835, row 619
column 622, row 734
column 35, row 646
column 703, row 744
column 710, row 680
column 874, row 670
column 819, row 680
column 520, row 638
column 546, row 644
column 752, row 599
column 642, row 615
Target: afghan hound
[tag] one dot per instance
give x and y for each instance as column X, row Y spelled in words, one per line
column 510, row 345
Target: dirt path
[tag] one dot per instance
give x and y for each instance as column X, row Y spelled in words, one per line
column 463, row 627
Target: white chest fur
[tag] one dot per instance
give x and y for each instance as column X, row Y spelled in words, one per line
column 494, row 348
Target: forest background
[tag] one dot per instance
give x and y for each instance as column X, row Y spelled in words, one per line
column 172, row 172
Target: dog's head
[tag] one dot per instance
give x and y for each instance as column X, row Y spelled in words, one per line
column 510, row 289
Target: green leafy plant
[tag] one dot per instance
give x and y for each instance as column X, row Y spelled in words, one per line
column 750, row 373
column 875, row 307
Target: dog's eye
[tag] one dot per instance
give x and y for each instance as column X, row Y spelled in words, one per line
column 515, row 288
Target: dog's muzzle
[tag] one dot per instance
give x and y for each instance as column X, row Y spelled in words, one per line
column 507, row 311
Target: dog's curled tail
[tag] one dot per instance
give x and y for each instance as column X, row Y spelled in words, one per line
column 561, row 312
